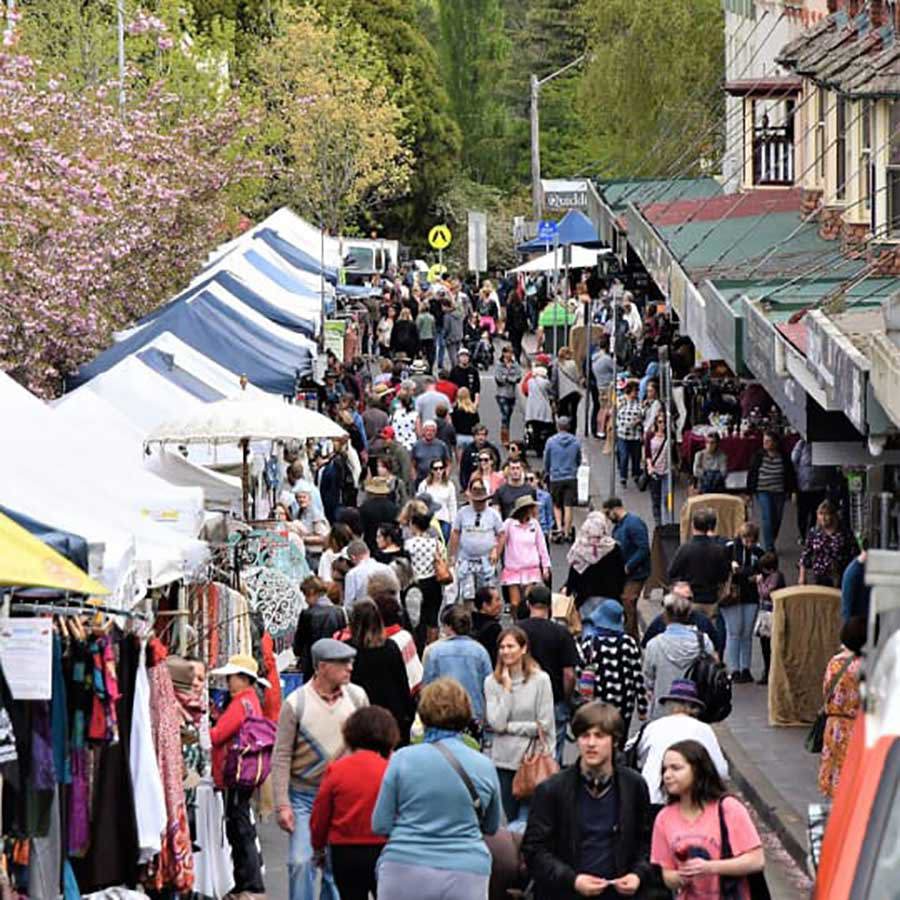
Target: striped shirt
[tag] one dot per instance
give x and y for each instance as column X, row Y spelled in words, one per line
column 771, row 474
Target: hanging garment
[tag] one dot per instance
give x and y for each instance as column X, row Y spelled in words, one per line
column 104, row 725
column 213, row 864
column 59, row 716
column 149, row 799
column 174, row 867
column 46, row 857
column 8, row 752
column 111, row 858
column 80, row 699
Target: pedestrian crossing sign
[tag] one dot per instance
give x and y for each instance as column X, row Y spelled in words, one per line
column 439, row 237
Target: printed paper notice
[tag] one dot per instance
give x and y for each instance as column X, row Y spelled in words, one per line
column 26, row 654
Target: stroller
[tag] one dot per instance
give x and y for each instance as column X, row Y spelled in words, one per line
column 537, row 434
column 483, row 352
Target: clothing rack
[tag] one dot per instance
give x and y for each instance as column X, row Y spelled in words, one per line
column 80, row 610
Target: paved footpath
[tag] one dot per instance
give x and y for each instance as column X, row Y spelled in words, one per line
column 770, row 767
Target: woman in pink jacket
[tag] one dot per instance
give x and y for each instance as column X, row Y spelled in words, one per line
column 525, row 558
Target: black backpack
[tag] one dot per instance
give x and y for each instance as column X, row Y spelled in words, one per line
column 713, row 684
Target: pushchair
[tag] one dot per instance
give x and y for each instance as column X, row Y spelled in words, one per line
column 537, row 434
column 483, row 353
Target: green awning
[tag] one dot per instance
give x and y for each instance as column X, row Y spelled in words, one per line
column 619, row 193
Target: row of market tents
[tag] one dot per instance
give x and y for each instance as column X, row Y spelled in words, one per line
column 78, row 470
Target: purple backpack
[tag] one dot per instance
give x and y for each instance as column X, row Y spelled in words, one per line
column 249, row 758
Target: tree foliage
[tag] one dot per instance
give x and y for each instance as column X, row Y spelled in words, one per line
column 651, row 83
column 404, row 31
column 338, row 136
column 102, row 216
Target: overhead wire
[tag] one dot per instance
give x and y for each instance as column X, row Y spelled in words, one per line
column 707, row 96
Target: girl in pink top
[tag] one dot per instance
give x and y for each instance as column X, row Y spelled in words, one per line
column 687, row 834
column 524, row 549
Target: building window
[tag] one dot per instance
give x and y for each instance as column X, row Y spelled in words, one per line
column 893, row 173
column 820, row 133
column 840, row 146
column 865, row 155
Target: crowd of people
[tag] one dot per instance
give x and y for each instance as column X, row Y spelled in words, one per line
column 441, row 682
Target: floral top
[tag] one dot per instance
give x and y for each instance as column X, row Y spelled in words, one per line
column 825, row 556
column 404, row 423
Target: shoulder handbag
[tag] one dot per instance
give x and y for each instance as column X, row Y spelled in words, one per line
column 464, row 777
column 537, row 765
column 815, row 740
column 644, row 477
column 442, row 572
column 730, row 888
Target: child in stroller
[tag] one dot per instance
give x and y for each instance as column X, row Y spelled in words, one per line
column 483, row 352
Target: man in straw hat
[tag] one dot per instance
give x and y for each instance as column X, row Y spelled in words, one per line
column 681, row 706
column 309, row 737
column 473, row 542
column 376, row 509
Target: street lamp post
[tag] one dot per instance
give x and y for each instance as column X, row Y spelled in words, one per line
column 536, row 85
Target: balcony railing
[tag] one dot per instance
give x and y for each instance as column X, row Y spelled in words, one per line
column 773, row 156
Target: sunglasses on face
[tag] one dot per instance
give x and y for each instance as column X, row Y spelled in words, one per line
column 437, row 468
column 484, row 459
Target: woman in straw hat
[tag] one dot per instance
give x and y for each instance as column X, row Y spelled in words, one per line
column 242, row 675
column 524, row 549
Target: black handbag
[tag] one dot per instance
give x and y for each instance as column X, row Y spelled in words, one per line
column 815, row 739
column 730, row 888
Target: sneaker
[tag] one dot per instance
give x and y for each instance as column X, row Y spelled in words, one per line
column 623, row 482
column 601, row 435
column 746, row 676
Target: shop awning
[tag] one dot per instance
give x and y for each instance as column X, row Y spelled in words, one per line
column 582, row 258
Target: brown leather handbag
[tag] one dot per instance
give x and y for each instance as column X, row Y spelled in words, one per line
column 537, row 765
column 442, row 572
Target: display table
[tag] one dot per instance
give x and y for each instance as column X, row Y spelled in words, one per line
column 739, row 450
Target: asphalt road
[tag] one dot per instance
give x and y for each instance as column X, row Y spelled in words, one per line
column 786, row 880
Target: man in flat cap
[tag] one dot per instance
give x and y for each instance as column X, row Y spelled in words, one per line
column 310, row 736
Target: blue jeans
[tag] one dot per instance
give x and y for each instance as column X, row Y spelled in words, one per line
column 739, row 621
column 440, row 347
column 561, row 711
column 771, row 510
column 507, row 405
column 301, row 867
column 628, row 451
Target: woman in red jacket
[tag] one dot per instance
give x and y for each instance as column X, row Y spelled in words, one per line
column 342, row 812
column 242, row 674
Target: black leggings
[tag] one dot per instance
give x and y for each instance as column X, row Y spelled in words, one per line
column 354, row 869
column 241, row 833
column 568, row 407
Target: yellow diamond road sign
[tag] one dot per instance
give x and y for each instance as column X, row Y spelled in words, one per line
column 439, row 237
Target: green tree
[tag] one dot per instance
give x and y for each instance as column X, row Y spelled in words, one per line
column 338, row 136
column 474, row 54
column 653, row 66
column 403, row 31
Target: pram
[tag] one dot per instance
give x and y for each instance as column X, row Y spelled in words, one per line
column 483, row 353
column 537, row 434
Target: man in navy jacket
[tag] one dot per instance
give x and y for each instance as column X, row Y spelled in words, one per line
column 632, row 536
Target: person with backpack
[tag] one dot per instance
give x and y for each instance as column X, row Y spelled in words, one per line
column 703, row 834
column 242, row 674
column 309, row 737
column 671, row 654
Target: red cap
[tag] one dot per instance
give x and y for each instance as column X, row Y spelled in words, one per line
column 387, row 432
column 542, row 359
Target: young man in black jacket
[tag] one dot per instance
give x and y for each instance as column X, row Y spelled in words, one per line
column 589, row 826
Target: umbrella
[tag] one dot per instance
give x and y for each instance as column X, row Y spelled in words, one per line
column 26, row 561
column 242, row 420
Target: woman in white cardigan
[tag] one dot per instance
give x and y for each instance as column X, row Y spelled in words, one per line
column 519, row 698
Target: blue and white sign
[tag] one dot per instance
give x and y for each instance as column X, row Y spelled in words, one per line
column 547, row 230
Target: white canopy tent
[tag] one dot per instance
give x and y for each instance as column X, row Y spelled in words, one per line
column 292, row 228
column 122, row 436
column 63, row 475
column 582, row 258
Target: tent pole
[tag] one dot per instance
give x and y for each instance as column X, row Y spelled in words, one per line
column 245, row 477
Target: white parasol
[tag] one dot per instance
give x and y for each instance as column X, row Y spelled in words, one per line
column 240, row 421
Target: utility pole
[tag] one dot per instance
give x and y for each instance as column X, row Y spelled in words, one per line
column 120, row 29
column 535, row 148
column 536, row 85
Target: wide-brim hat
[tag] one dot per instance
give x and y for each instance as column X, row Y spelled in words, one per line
column 420, row 366
column 523, row 502
column 241, row 664
column 479, row 493
column 400, row 357
column 429, row 501
column 378, row 484
column 379, row 390
column 683, row 690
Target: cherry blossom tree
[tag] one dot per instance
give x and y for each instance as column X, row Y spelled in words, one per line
column 104, row 216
